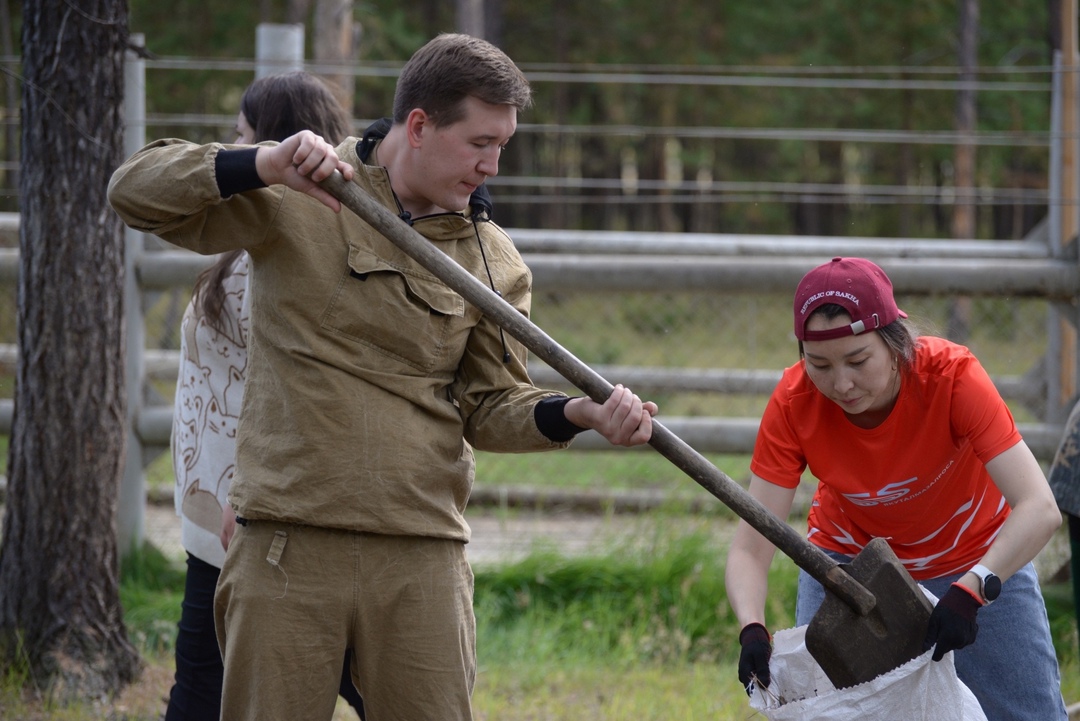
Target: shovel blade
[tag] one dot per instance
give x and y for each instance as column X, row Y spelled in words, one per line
column 853, row 649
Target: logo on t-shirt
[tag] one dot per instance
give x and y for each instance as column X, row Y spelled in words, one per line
column 897, row 492
column 886, row 494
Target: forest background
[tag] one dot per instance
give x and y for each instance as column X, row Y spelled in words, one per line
column 833, row 117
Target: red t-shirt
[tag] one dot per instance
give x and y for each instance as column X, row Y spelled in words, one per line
column 918, row 479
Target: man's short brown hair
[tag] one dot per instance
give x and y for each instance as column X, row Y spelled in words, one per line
column 450, row 67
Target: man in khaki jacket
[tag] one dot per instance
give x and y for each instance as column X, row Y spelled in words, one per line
column 369, row 384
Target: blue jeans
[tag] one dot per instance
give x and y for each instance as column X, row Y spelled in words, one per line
column 196, row 694
column 1011, row 668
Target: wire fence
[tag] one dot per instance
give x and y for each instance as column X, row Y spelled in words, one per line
column 655, row 147
column 652, row 176
column 687, row 177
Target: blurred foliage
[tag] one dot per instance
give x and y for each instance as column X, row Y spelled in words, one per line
column 839, row 39
column 797, row 36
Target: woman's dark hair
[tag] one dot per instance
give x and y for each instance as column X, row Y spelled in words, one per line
column 900, row 335
column 276, row 107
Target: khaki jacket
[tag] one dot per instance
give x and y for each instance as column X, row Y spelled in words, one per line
column 368, row 378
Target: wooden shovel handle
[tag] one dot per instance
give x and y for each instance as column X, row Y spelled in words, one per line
column 806, row 555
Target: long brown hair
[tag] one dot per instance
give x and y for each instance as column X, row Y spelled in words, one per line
column 276, row 107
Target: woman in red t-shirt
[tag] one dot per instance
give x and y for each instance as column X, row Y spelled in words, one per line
column 911, row 442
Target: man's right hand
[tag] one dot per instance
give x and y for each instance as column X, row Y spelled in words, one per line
column 300, row 162
column 623, row 419
column 754, row 659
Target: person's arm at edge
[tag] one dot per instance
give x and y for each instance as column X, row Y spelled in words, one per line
column 750, row 554
column 1032, row 522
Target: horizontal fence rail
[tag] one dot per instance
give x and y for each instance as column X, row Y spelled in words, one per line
column 1018, row 276
column 1051, row 279
column 586, row 242
column 165, row 364
column 704, row 263
column 703, row 434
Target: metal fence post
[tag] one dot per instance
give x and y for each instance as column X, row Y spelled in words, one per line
column 278, row 48
column 131, row 506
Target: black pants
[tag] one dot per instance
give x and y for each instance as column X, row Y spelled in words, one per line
column 196, row 694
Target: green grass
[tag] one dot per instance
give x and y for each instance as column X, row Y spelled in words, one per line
column 640, row 633
column 151, row 589
column 159, row 472
column 648, row 605
column 703, row 330
column 534, row 692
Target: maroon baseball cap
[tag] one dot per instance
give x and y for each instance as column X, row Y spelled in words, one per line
column 858, row 286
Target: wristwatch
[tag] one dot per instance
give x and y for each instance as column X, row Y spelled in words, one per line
column 991, row 584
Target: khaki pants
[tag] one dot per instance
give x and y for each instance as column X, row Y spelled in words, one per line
column 292, row 598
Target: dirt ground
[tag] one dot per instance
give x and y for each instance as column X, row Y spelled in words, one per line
column 506, row 536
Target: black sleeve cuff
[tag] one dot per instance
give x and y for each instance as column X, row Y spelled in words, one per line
column 551, row 420
column 235, row 171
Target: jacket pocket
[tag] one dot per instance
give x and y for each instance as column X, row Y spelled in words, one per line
column 404, row 315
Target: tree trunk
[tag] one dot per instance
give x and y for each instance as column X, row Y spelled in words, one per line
column 963, row 220
column 296, row 11
column 336, row 44
column 964, row 210
column 560, row 111
column 60, row 615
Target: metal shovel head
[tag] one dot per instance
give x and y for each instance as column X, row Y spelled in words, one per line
column 853, row 649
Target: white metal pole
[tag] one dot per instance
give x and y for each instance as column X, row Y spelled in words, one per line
column 131, row 506
column 278, row 48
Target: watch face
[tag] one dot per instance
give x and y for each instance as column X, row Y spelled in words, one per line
column 991, row 587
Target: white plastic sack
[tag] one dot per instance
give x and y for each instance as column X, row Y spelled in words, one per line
column 920, row 690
